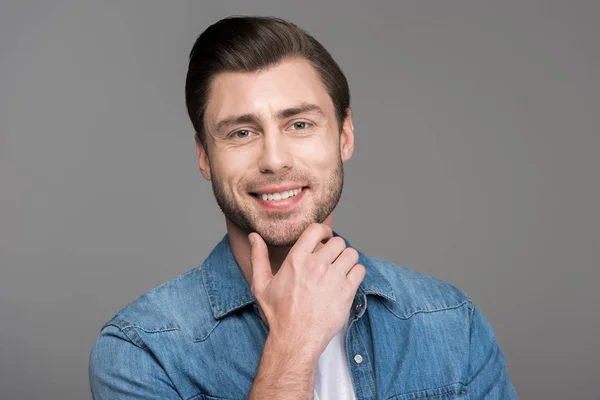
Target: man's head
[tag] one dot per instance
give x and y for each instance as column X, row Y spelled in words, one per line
column 270, row 108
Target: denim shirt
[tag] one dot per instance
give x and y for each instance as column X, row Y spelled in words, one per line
column 200, row 336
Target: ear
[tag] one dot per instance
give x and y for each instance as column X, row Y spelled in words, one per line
column 347, row 137
column 203, row 161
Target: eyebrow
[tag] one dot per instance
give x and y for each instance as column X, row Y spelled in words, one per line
column 282, row 114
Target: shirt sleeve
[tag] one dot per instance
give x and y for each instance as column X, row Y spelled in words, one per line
column 488, row 378
column 122, row 368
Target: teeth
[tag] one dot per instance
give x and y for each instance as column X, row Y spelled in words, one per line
column 279, row 196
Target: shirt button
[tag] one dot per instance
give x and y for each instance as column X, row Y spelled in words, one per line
column 358, row 358
column 358, row 307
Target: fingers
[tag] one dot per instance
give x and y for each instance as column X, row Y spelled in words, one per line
column 311, row 237
column 356, row 275
column 346, row 260
column 261, row 265
column 331, row 250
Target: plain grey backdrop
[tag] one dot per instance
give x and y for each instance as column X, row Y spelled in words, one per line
column 477, row 161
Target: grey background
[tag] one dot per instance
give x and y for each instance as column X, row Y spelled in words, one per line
column 476, row 162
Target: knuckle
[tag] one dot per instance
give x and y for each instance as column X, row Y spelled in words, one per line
column 352, row 253
column 294, row 259
column 362, row 270
column 321, row 228
column 255, row 291
column 357, row 273
column 338, row 241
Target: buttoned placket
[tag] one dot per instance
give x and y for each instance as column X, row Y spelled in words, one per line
column 361, row 370
column 359, row 360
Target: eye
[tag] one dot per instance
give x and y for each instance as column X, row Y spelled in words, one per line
column 300, row 125
column 241, row 134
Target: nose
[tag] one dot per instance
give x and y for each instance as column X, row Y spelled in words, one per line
column 275, row 153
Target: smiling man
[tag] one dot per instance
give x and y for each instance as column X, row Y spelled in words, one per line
column 284, row 307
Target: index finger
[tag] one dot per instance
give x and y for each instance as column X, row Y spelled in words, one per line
column 312, row 237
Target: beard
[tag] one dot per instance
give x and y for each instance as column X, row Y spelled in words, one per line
column 283, row 228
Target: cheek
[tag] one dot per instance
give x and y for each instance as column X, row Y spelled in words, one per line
column 231, row 167
column 320, row 154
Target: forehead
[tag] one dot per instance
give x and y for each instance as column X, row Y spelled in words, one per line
column 265, row 92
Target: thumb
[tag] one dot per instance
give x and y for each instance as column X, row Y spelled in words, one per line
column 261, row 265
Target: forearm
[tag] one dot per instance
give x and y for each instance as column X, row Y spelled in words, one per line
column 284, row 372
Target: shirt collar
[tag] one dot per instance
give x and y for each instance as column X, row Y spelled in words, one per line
column 228, row 289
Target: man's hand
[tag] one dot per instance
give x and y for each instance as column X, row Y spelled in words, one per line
column 308, row 300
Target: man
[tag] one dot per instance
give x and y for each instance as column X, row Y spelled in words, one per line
column 283, row 307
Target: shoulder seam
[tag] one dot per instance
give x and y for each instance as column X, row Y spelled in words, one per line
column 130, row 330
column 426, row 310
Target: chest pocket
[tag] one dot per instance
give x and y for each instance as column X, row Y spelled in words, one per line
column 456, row 391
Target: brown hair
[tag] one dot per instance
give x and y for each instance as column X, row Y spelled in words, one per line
column 247, row 44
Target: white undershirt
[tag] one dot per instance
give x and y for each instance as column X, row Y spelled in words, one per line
column 332, row 381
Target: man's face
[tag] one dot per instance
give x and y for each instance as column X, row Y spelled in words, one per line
column 275, row 151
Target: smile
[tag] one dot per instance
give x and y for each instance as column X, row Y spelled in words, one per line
column 280, row 201
column 280, row 195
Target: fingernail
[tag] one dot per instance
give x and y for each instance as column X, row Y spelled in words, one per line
column 251, row 238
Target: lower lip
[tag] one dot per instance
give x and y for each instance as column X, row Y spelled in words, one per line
column 281, row 205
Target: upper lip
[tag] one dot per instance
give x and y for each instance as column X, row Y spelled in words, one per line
column 277, row 188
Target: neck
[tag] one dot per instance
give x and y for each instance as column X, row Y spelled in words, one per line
column 240, row 247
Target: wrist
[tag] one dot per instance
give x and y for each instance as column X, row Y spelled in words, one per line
column 298, row 351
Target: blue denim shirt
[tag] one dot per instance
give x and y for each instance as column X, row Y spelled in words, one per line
column 200, row 336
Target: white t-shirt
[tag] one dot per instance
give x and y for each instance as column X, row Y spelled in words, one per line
column 332, row 381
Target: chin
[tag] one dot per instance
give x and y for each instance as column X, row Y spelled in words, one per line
column 283, row 235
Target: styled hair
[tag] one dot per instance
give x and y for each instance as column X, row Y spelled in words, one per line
column 249, row 44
